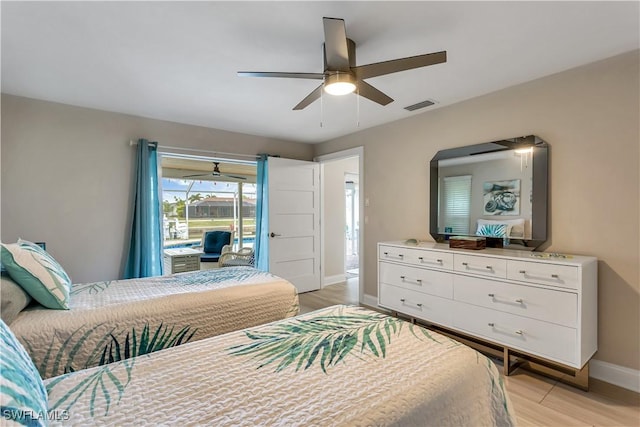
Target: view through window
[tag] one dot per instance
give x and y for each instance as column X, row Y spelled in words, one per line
column 192, row 206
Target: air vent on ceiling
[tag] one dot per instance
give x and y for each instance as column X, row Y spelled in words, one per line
column 419, row 105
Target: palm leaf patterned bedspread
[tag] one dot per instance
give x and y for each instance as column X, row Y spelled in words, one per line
column 341, row 366
column 115, row 320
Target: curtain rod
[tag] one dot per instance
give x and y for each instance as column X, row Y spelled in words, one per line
column 195, row 150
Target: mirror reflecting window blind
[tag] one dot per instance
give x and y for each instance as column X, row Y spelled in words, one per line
column 456, row 204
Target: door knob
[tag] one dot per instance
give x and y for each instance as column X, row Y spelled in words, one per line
column 275, row 235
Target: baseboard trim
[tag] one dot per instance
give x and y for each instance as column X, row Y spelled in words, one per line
column 370, row 300
column 615, row 374
column 332, row 280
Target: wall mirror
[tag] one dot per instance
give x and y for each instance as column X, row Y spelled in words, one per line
column 496, row 189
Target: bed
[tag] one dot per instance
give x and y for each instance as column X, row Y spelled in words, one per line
column 339, row 366
column 113, row 320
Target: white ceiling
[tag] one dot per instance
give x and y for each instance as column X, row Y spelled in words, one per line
column 177, row 61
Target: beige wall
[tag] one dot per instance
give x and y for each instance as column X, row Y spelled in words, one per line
column 67, row 175
column 590, row 118
column 334, row 218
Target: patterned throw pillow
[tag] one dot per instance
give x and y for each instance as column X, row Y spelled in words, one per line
column 37, row 273
column 492, row 230
column 23, row 398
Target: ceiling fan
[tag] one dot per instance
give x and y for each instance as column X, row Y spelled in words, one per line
column 216, row 172
column 341, row 76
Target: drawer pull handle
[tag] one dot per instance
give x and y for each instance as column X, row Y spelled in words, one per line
column 438, row 261
column 553, row 276
column 388, row 256
column 518, row 300
column 518, row 332
column 488, row 267
column 404, row 278
column 419, row 305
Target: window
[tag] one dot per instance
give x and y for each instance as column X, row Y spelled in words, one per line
column 456, row 204
column 193, row 205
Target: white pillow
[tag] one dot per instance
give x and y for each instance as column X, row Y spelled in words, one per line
column 515, row 227
column 13, row 299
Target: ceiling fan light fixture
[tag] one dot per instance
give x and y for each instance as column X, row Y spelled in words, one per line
column 339, row 84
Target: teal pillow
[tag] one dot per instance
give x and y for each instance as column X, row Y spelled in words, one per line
column 492, row 230
column 37, row 273
column 23, row 397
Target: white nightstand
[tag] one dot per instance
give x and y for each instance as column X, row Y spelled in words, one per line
column 179, row 260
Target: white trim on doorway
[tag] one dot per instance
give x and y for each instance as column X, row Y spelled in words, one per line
column 344, row 154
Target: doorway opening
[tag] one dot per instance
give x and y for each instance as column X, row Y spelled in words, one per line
column 352, row 225
column 342, row 219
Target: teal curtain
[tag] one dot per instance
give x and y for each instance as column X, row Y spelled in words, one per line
column 261, row 245
column 145, row 248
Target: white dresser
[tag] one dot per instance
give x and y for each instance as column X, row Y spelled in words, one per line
column 533, row 303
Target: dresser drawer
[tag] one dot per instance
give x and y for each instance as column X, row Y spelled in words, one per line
column 551, row 341
column 543, row 304
column 392, row 253
column 416, row 304
column 485, row 266
column 426, row 258
column 431, row 282
column 432, row 259
column 564, row 276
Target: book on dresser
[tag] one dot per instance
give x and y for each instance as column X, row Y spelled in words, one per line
column 528, row 303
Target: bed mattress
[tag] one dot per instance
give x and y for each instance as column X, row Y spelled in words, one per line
column 114, row 320
column 340, row 366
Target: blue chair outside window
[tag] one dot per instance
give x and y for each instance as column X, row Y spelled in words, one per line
column 213, row 245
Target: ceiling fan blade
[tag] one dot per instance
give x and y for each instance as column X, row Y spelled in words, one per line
column 235, row 176
column 314, row 76
column 200, row 174
column 317, row 92
column 373, row 94
column 335, row 45
column 402, row 64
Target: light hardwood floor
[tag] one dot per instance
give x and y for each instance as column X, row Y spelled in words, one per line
column 537, row 400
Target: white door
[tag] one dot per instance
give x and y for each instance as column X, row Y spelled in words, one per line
column 294, row 222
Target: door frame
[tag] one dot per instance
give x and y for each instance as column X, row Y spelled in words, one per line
column 339, row 155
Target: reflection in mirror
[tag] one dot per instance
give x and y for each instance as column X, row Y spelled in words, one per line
column 497, row 190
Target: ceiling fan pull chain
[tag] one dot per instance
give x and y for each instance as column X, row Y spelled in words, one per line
column 321, row 107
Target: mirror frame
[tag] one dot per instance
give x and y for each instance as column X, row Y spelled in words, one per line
column 539, row 210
